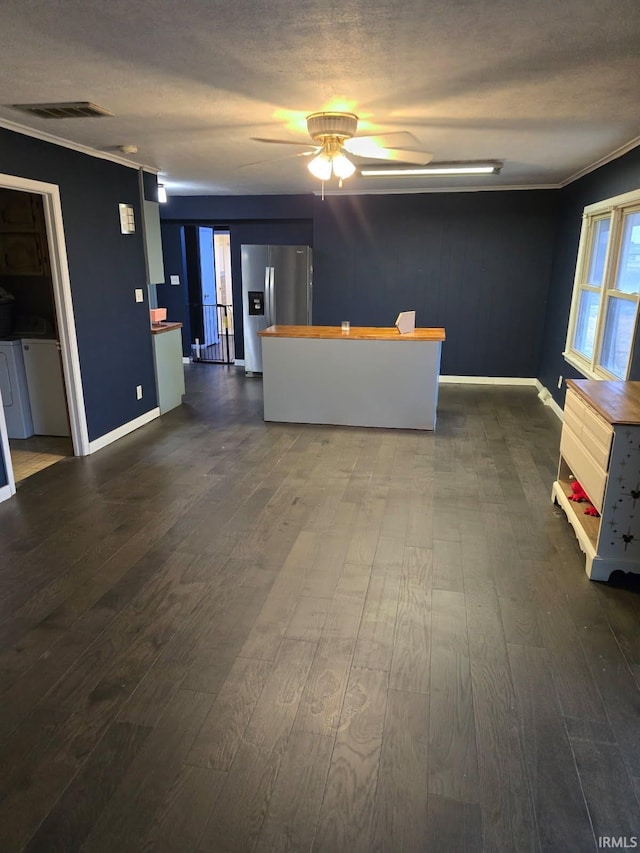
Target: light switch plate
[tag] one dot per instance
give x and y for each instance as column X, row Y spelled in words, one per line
column 139, row 295
column 127, row 219
column 175, row 279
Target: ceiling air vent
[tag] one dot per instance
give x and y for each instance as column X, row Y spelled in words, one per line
column 73, row 109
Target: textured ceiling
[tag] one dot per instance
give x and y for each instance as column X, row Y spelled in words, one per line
column 549, row 87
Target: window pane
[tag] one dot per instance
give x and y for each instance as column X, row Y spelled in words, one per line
column 599, row 242
column 585, row 334
column 618, row 334
column 628, row 279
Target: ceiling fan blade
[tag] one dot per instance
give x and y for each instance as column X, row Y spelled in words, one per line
column 277, row 159
column 388, row 146
column 399, row 155
column 279, row 141
column 393, row 139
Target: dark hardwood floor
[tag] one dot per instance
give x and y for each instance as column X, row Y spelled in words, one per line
column 220, row 634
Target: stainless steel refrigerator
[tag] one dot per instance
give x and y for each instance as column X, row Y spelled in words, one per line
column 276, row 288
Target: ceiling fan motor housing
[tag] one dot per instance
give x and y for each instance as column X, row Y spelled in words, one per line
column 327, row 125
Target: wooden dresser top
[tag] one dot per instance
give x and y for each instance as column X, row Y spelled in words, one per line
column 617, row 402
column 355, row 333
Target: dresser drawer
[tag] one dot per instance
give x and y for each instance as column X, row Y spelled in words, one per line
column 574, row 417
column 597, row 435
column 596, row 448
column 573, row 406
column 589, row 427
column 586, row 470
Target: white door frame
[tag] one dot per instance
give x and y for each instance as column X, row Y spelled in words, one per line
column 64, row 314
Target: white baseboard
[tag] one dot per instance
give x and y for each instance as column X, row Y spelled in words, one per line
column 543, row 393
column 486, row 380
column 239, row 362
column 123, row 430
column 545, row 396
column 6, row 492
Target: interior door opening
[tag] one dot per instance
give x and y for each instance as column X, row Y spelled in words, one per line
column 43, row 418
column 211, row 296
column 31, row 376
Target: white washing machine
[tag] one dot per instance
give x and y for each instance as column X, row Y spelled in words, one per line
column 46, row 386
column 14, row 390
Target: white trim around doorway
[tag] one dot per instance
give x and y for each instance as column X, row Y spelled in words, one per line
column 10, row 488
column 64, row 310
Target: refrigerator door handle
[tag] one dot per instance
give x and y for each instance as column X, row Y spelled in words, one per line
column 267, row 296
column 272, row 297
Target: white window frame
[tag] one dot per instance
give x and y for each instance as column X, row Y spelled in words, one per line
column 616, row 208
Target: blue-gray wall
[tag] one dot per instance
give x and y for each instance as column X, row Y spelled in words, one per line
column 476, row 263
column 170, row 296
column 105, row 267
column 619, row 176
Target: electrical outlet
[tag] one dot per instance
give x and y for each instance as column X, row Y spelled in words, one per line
column 174, row 279
column 560, row 381
column 139, row 294
column 138, row 392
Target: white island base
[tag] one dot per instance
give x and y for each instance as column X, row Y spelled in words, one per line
column 352, row 378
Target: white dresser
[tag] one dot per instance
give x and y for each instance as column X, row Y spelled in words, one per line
column 600, row 448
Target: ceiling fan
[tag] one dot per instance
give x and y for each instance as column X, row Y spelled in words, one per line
column 333, row 134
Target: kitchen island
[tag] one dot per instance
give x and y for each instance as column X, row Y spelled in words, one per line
column 366, row 376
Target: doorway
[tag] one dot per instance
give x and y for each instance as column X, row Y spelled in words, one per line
column 43, row 417
column 210, row 295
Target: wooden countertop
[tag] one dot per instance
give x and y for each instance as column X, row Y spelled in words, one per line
column 355, row 333
column 164, row 326
column 617, row 402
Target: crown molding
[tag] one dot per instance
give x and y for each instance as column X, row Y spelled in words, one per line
column 7, row 124
column 423, row 190
column 614, row 155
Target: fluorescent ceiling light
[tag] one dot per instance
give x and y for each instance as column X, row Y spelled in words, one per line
column 433, row 169
column 162, row 194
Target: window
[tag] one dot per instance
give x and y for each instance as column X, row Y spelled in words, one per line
column 606, row 288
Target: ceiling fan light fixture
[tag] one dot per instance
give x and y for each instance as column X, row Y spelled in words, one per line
column 332, row 124
column 331, row 161
column 321, row 166
column 333, row 135
column 342, row 166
